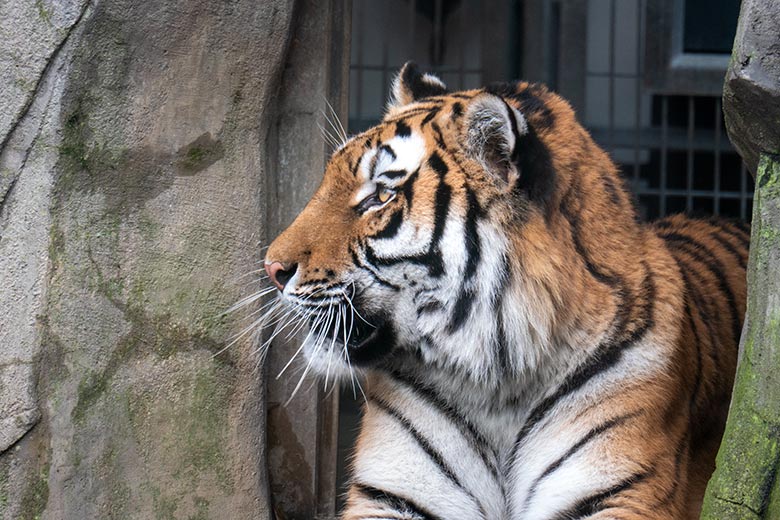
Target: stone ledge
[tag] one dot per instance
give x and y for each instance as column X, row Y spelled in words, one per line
column 751, row 93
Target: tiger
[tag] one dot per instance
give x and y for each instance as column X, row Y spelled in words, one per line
column 528, row 348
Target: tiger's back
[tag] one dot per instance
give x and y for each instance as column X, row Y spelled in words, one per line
column 712, row 257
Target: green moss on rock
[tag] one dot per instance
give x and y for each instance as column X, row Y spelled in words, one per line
column 82, row 154
column 148, row 226
column 108, row 468
column 44, row 13
column 35, row 497
column 745, row 483
column 199, row 154
column 90, row 389
column 3, row 488
column 164, row 506
column 201, row 509
column 192, row 448
column 205, row 428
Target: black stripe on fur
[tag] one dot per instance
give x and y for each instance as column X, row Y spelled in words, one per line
column 399, row 504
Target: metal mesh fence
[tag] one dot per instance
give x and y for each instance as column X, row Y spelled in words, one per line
column 672, row 149
column 442, row 36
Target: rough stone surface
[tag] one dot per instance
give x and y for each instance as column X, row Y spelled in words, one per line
column 751, row 94
column 133, row 183
column 745, row 483
column 30, row 64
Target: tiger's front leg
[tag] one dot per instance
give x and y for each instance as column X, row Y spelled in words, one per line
column 415, row 461
column 611, row 461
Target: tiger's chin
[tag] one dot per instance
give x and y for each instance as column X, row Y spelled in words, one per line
column 368, row 345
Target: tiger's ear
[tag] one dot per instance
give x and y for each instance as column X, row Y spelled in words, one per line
column 411, row 85
column 493, row 130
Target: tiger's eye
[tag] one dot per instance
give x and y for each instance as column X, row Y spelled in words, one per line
column 384, row 195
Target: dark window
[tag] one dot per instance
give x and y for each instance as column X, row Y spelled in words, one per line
column 710, row 26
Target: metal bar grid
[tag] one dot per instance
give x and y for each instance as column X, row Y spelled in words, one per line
column 437, row 35
column 658, row 141
column 611, row 78
column 358, row 92
column 461, row 47
column 441, row 24
column 682, row 192
column 648, row 148
column 638, row 96
column 689, row 156
column 674, row 138
column 664, row 153
column 694, row 142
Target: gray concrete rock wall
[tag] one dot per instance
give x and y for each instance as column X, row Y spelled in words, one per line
column 133, row 184
column 751, row 93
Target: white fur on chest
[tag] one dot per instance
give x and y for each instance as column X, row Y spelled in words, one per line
column 390, row 455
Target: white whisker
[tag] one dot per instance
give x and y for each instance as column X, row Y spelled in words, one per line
column 303, row 343
column 300, row 382
column 300, row 321
column 303, row 376
column 340, row 137
column 349, row 301
column 263, row 308
column 248, row 300
column 280, row 326
column 344, row 135
column 276, row 306
column 329, row 138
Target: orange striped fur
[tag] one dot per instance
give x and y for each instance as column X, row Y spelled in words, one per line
column 530, row 350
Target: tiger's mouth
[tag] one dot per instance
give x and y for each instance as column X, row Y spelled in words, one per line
column 368, row 340
column 373, row 345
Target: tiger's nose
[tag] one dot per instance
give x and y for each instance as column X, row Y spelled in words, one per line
column 278, row 274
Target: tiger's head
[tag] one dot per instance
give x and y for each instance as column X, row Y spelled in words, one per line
column 409, row 249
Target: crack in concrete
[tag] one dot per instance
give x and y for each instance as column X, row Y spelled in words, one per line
column 15, row 362
column 4, row 197
column 738, row 504
column 30, row 417
column 30, row 101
